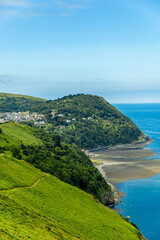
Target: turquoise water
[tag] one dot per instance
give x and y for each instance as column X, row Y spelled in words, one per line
column 142, row 200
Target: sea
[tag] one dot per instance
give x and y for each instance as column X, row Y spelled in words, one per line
column 142, row 196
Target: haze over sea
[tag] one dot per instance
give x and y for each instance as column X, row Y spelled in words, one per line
column 142, row 200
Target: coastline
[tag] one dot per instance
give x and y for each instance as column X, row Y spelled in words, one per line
column 125, row 162
column 133, row 145
column 117, row 194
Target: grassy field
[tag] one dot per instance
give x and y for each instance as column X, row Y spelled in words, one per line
column 67, row 209
column 16, row 133
column 16, row 173
column 20, row 223
column 77, row 212
column 10, row 95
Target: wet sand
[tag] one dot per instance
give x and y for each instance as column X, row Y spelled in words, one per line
column 121, row 163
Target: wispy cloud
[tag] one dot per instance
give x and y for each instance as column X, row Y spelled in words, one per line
column 49, row 7
column 15, row 3
column 20, row 8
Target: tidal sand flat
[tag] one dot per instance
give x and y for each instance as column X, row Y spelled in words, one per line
column 126, row 162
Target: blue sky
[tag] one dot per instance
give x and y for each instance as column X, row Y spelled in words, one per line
column 51, row 48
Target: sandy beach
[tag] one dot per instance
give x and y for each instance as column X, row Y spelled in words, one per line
column 125, row 162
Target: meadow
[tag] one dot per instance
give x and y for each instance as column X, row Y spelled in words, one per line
column 15, row 134
column 15, row 173
column 66, row 207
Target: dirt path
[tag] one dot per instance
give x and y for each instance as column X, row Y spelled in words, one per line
column 31, row 186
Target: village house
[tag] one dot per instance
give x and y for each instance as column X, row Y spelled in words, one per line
column 53, row 112
column 21, row 117
column 60, row 115
column 68, row 121
column 40, row 123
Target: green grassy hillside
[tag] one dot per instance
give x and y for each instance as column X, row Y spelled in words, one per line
column 48, row 153
column 18, row 173
column 14, row 134
column 85, row 120
column 93, row 122
column 14, row 102
column 10, row 95
column 19, row 222
column 39, row 206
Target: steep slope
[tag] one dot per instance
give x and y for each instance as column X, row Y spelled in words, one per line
column 14, row 134
column 46, row 208
column 48, row 153
column 16, row 174
column 85, row 120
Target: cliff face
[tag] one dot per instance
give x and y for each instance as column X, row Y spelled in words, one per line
column 108, row 199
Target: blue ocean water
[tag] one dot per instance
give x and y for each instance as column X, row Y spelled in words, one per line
column 142, row 200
